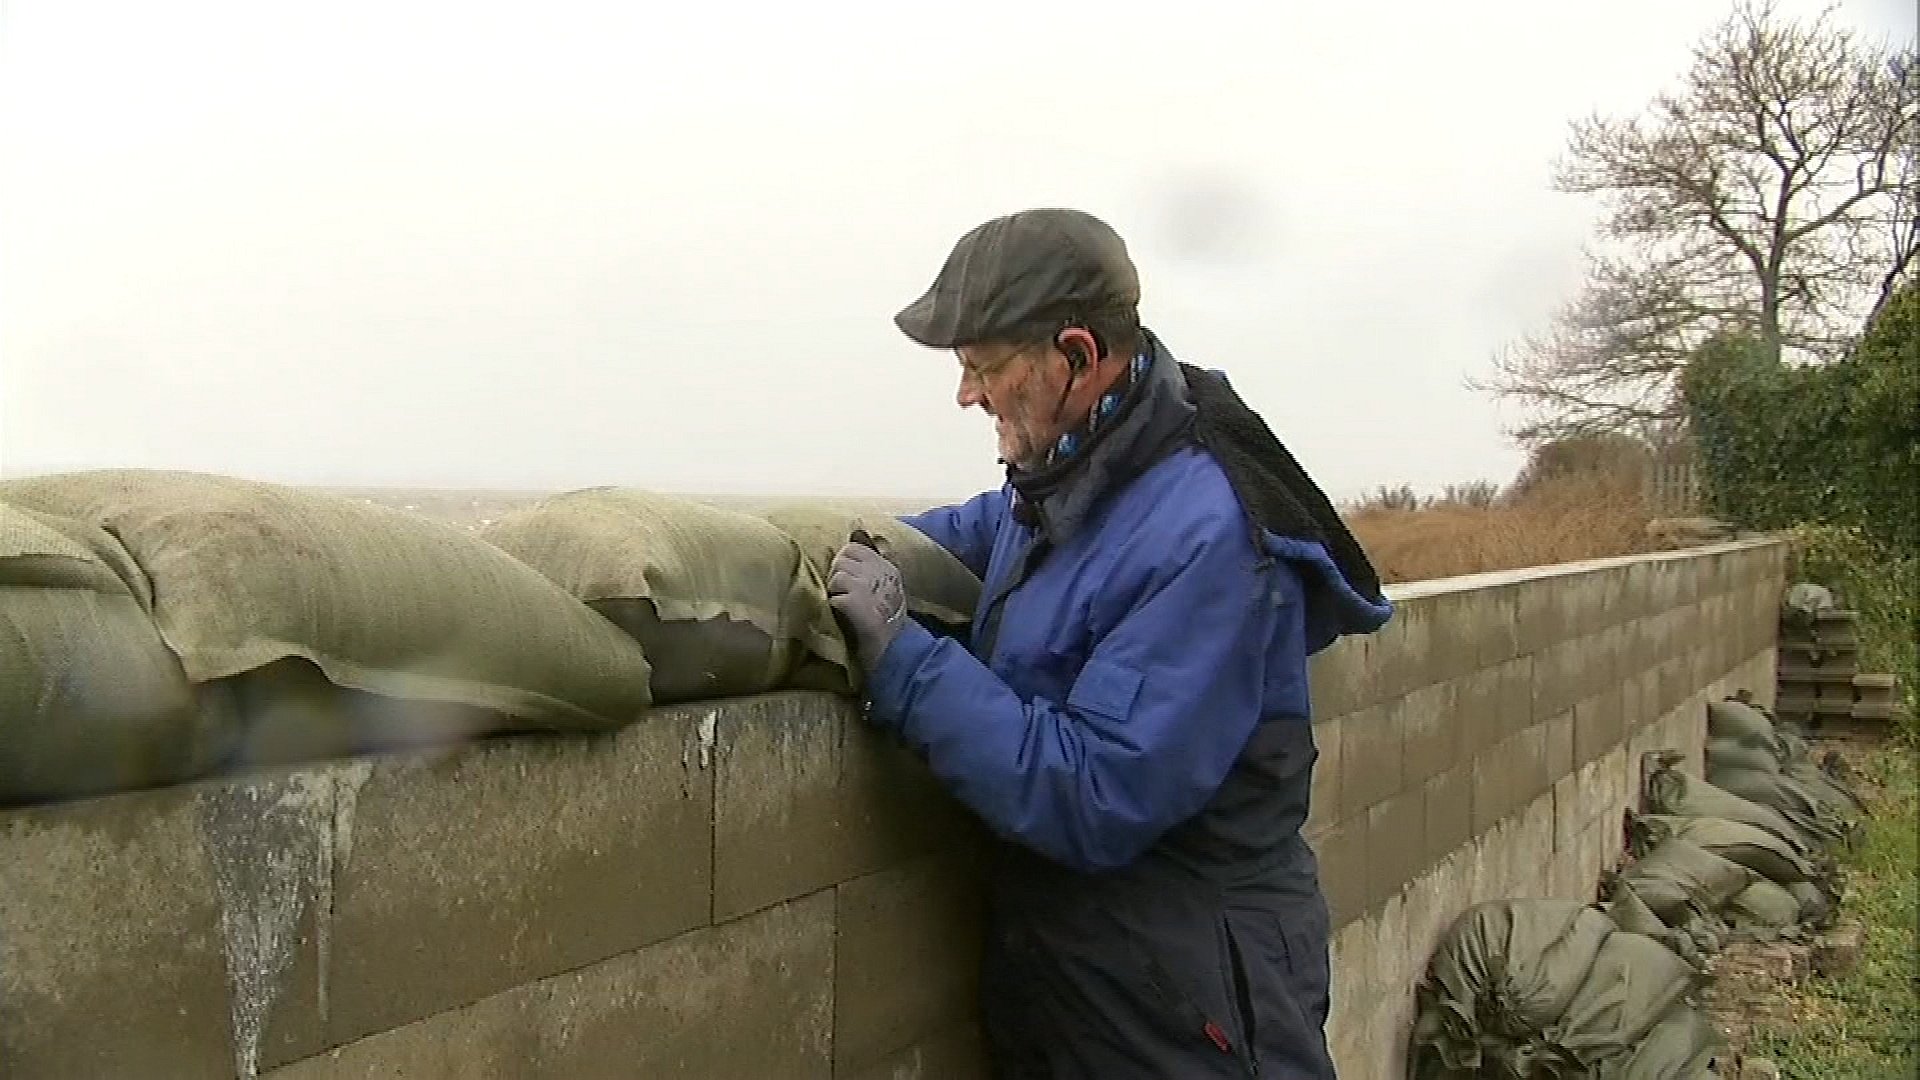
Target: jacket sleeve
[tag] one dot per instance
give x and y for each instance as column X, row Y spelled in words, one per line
column 967, row 530
column 1149, row 729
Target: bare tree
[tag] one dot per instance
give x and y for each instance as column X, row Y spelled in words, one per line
column 1772, row 193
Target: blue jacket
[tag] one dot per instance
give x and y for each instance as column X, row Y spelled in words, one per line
column 1127, row 672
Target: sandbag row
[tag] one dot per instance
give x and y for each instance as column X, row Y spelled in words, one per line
column 1747, row 853
column 1557, row 988
column 157, row 627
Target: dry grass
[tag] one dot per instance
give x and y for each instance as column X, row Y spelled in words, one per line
column 1566, row 520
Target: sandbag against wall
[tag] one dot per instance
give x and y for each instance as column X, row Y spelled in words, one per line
column 1678, row 880
column 1684, row 1045
column 723, row 602
column 1789, row 797
column 246, row 574
column 1732, row 718
column 1674, row 793
column 1749, row 845
column 91, row 699
column 1541, row 988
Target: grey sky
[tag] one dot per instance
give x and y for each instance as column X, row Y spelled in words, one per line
column 566, row 244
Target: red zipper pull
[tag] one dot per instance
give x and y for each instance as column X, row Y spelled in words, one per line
column 1218, row 1037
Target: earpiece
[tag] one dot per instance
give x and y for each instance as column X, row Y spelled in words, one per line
column 1076, row 354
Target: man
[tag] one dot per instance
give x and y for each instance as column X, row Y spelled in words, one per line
column 1130, row 717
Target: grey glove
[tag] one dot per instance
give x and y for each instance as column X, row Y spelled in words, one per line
column 865, row 588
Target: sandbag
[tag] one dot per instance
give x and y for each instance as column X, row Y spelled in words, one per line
column 1749, row 845
column 1816, row 905
column 1741, row 753
column 1677, row 878
column 245, row 574
column 1682, row 1046
column 940, row 588
column 1732, row 718
column 91, row 699
column 1630, row 913
column 1823, row 783
column 722, row 602
column 1789, row 797
column 1634, row 982
column 1672, row 792
column 1501, row 976
column 1763, row 905
column 288, row 713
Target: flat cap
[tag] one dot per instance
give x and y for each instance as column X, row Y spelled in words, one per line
column 1021, row 276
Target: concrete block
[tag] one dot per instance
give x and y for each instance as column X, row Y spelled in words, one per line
column 1396, row 843
column 1324, row 806
column 1636, row 654
column 1548, row 613
column 1401, row 653
column 461, row 876
column 1493, row 786
column 752, row 997
column 1531, row 763
column 1449, row 811
column 1431, row 731
column 1476, row 712
column 1599, row 725
column 1635, row 601
column 1474, row 627
column 1355, row 989
column 806, row 795
column 1516, row 695
column 1559, row 748
column 1608, row 664
column 1342, row 854
column 112, row 946
column 1371, row 757
column 957, row 1052
column 1559, row 677
column 1343, row 677
column 908, row 958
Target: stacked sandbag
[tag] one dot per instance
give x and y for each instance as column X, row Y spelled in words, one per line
column 1749, row 757
column 1745, row 853
column 940, row 588
column 1553, row 988
column 91, row 699
column 723, row 603
column 250, row 581
column 941, row 591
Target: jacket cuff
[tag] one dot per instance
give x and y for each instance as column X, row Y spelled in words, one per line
column 890, row 683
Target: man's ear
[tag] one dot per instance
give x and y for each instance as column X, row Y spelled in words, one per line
column 1077, row 344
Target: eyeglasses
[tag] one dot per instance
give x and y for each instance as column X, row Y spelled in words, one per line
column 981, row 372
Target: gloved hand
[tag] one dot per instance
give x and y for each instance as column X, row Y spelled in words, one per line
column 865, row 588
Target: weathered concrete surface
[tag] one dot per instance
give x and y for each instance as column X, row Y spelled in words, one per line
column 909, row 946
column 764, row 887
column 111, row 961
column 752, row 997
column 807, row 798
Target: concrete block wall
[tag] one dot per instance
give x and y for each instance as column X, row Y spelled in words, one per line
column 763, row 888
column 1487, row 744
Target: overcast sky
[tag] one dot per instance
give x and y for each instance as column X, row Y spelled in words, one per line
column 563, row 244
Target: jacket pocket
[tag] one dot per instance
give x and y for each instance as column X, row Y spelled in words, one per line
column 1105, row 689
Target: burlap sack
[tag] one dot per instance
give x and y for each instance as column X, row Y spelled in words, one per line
column 722, row 601
column 245, row 574
column 91, row 699
column 940, row 588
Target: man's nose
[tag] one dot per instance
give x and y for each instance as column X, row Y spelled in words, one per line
column 969, row 393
